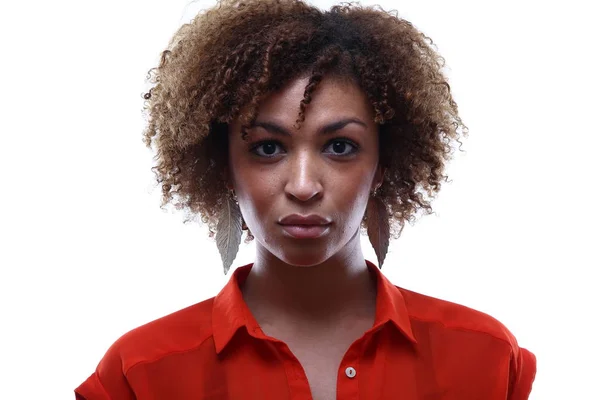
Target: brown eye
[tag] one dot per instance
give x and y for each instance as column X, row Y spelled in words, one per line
column 265, row 149
column 339, row 147
column 269, row 148
column 343, row 147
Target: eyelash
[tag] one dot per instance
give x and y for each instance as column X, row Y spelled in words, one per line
column 256, row 145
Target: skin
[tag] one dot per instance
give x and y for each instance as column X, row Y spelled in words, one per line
column 298, row 287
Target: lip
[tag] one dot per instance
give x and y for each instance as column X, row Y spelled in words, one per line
column 305, row 226
column 297, row 219
column 306, row 231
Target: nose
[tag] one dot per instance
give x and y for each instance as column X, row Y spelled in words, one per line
column 304, row 177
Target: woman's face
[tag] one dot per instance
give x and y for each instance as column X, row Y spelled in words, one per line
column 328, row 167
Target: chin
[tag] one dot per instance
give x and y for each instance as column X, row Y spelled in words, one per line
column 303, row 261
column 309, row 255
column 302, row 252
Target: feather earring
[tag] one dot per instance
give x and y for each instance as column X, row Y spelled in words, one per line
column 229, row 231
column 378, row 227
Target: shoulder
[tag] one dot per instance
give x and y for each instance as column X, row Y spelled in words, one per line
column 472, row 342
column 180, row 331
column 454, row 318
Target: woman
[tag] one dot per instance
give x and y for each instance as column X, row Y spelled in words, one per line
column 306, row 128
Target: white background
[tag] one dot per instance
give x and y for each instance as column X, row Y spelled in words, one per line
column 86, row 253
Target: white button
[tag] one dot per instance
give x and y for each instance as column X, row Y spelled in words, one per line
column 350, row 372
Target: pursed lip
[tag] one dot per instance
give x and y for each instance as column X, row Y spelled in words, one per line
column 297, row 219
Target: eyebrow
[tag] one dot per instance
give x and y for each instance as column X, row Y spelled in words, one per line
column 324, row 130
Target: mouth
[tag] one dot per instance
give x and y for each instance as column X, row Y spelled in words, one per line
column 306, row 231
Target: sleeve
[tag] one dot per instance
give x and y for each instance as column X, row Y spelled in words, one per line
column 91, row 389
column 522, row 375
column 108, row 382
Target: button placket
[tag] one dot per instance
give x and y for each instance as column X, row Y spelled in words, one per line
column 348, row 373
column 297, row 379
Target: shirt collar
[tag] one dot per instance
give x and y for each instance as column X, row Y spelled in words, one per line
column 230, row 311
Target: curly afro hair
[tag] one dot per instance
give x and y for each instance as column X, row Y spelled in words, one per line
column 231, row 56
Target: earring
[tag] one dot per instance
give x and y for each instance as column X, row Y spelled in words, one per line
column 229, row 230
column 378, row 226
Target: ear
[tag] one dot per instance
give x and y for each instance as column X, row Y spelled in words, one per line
column 378, row 178
column 227, row 178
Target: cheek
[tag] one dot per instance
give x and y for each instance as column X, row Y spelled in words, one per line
column 256, row 196
column 351, row 196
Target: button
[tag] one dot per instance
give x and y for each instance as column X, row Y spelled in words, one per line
column 350, row 372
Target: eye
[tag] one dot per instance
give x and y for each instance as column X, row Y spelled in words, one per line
column 268, row 148
column 339, row 147
column 342, row 147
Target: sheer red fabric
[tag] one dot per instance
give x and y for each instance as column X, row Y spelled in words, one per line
column 419, row 347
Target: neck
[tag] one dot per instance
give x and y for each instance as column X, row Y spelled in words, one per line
column 320, row 295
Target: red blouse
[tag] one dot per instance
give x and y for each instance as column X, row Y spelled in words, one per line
column 418, row 348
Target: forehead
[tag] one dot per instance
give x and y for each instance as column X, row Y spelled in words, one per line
column 332, row 98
